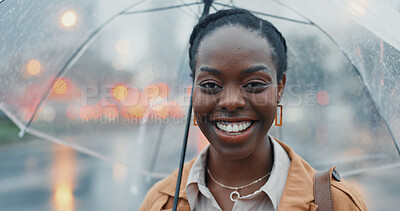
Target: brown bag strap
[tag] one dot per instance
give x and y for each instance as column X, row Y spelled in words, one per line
column 322, row 190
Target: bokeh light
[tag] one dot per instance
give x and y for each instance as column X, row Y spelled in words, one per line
column 152, row 91
column 47, row 114
column 162, row 112
column 323, row 97
column 33, row 67
column 119, row 171
column 120, row 92
column 68, row 19
column 63, row 179
column 85, row 113
column 60, row 87
column 63, row 196
column 122, row 47
column 72, row 112
column 133, row 112
column 163, row 89
column 175, row 111
column 133, row 97
column 358, row 7
column 90, row 112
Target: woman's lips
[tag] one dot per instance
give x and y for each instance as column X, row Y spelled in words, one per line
column 234, row 132
column 234, row 127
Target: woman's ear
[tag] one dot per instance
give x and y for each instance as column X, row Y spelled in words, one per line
column 281, row 87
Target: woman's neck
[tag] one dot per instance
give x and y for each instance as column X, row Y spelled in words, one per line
column 238, row 172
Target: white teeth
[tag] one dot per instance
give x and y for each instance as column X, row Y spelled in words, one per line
column 233, row 126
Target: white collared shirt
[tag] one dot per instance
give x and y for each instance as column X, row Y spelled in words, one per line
column 266, row 198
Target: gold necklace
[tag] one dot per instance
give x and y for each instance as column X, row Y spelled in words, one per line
column 235, row 191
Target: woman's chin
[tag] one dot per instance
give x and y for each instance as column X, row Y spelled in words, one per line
column 234, row 145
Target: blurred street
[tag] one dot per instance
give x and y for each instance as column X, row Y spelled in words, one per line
column 39, row 175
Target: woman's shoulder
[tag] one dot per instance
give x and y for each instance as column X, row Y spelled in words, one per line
column 158, row 195
column 345, row 197
column 301, row 177
column 155, row 199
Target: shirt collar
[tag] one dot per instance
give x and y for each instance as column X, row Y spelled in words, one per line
column 196, row 177
column 277, row 180
column 273, row 187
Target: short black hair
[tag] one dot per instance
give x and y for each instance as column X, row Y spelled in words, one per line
column 243, row 18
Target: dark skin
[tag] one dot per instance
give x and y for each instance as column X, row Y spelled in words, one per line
column 235, row 81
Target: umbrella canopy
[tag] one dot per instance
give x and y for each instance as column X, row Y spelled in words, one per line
column 112, row 80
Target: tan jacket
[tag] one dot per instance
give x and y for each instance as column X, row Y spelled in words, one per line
column 297, row 195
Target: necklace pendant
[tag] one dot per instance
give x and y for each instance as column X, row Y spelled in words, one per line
column 234, row 195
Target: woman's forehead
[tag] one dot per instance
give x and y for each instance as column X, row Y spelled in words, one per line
column 234, row 45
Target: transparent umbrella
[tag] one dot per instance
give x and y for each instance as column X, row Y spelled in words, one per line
column 112, row 80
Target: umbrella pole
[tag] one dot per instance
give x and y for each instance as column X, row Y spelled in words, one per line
column 206, row 11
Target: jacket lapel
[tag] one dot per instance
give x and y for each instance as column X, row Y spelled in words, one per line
column 169, row 186
column 298, row 192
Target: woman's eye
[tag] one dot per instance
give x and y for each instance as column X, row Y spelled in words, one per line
column 255, row 86
column 210, row 87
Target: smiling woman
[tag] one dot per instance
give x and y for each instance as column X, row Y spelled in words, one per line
column 238, row 63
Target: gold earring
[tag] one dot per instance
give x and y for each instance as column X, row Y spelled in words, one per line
column 194, row 120
column 276, row 116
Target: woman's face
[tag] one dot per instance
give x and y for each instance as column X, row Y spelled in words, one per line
column 236, row 91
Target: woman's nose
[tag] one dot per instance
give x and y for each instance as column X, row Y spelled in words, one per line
column 232, row 99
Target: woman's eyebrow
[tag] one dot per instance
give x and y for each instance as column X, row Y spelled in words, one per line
column 256, row 68
column 210, row 70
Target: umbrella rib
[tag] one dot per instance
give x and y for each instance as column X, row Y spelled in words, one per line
column 364, row 170
column 268, row 15
column 191, row 10
column 214, row 8
column 79, row 52
column 389, row 129
column 159, row 9
column 156, row 149
column 351, row 62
